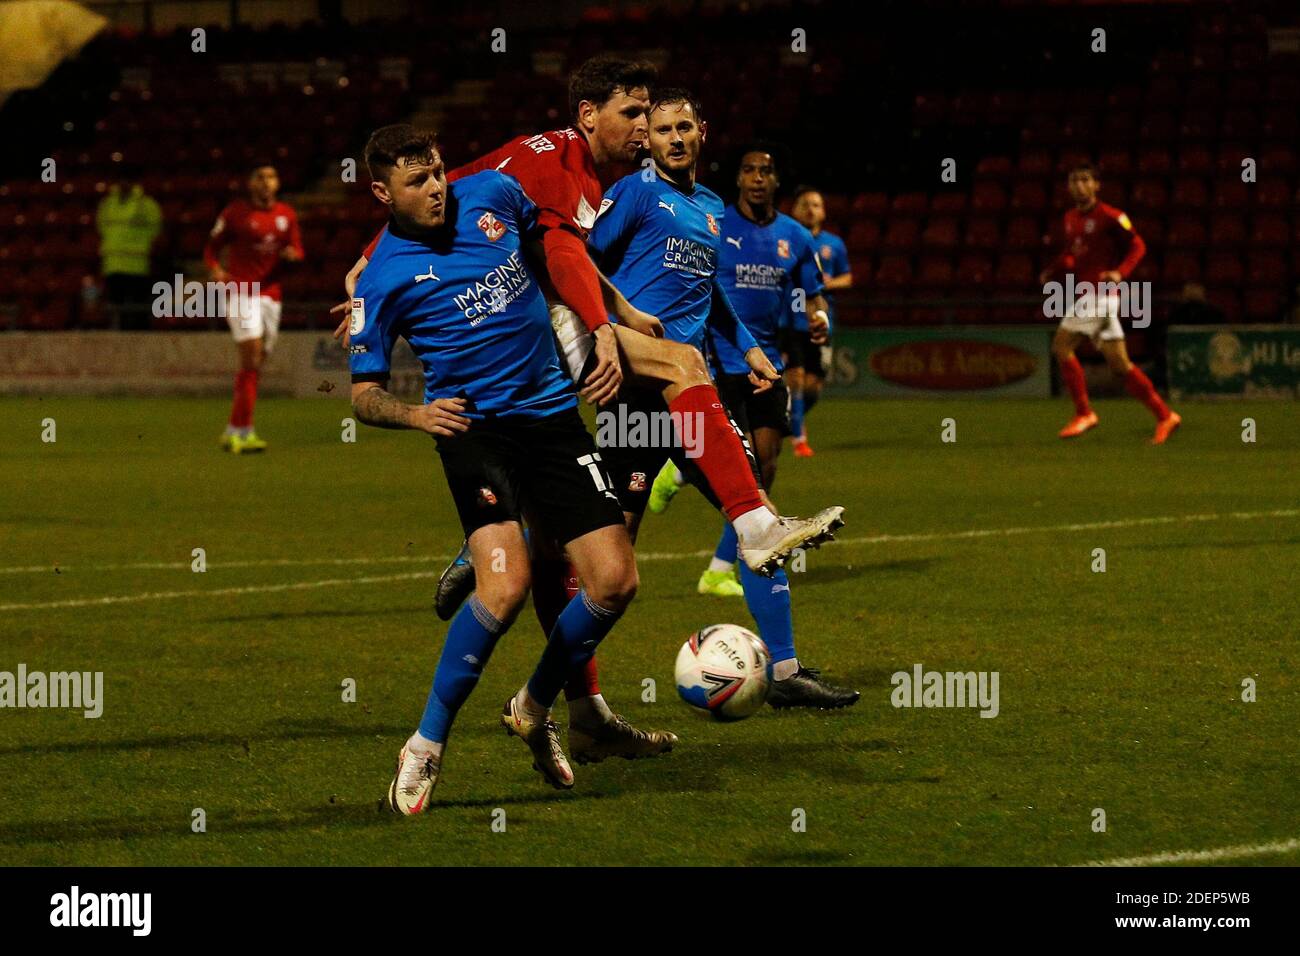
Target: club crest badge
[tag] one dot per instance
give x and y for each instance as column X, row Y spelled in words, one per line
column 491, row 226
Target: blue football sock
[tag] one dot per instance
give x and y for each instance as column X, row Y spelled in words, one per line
column 796, row 412
column 769, row 601
column 728, row 544
column 581, row 626
column 470, row 639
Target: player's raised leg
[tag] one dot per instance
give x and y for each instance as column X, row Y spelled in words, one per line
column 1063, row 345
column 678, row 370
column 1140, row 387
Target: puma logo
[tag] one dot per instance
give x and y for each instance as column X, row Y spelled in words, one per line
column 669, row 207
column 735, row 242
column 429, row 276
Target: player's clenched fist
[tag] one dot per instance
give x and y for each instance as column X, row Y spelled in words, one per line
column 441, row 417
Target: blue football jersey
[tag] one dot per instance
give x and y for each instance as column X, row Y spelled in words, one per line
column 468, row 305
column 760, row 268
column 659, row 247
column 834, row 256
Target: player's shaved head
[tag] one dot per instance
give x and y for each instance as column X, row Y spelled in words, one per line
column 398, row 143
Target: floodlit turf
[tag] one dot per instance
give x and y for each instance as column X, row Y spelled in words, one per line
column 1118, row 690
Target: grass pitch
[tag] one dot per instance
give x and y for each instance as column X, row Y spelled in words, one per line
column 223, row 690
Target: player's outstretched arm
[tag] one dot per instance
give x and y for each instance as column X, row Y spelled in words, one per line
column 374, row 405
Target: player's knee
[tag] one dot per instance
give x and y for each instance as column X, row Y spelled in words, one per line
column 690, row 365
column 615, row 584
column 503, row 593
column 1119, row 366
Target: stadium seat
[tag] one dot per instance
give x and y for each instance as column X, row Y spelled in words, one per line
column 901, row 235
column 933, row 273
column 940, row 233
column 974, row 270
column 983, row 233
column 1262, row 305
column 988, row 197
column 1015, row 272
column 1227, row 229
column 1180, row 267
column 1028, row 197
column 1189, row 192
column 1224, row 268
column 1269, row 229
column 1185, row 232
column 894, row 274
column 1024, row 234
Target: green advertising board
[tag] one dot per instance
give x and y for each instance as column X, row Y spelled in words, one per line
column 1234, row 361
column 973, row 360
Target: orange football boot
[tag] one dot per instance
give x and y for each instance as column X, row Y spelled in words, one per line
column 802, row 449
column 1079, row 424
column 1166, row 428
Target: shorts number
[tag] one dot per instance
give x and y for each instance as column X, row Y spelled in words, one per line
column 598, row 476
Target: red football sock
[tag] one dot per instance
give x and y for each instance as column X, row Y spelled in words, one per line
column 722, row 459
column 1140, row 387
column 554, row 585
column 1072, row 376
column 241, row 408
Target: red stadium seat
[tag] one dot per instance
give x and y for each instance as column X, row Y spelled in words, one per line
column 1015, row 272
column 871, row 204
column 934, row 273
column 1028, row 197
column 1024, row 234
column 1224, row 268
column 1263, row 305
column 948, row 204
column 864, row 236
column 1149, row 195
column 983, row 233
column 1180, row 267
column 1154, row 161
column 1266, row 268
column 1189, row 193
column 1273, row 192
column 1185, row 232
column 1196, row 160
column 940, row 233
column 1269, row 229
column 993, row 167
column 1037, row 164
column 910, row 204
column 988, row 197
column 901, row 235
column 1227, row 229
column 1231, row 194
column 974, row 271
column 894, row 274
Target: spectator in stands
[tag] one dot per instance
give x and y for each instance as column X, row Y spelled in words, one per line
column 128, row 222
column 1194, row 308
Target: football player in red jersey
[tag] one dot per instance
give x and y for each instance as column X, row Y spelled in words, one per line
column 1100, row 247
column 562, row 172
column 259, row 233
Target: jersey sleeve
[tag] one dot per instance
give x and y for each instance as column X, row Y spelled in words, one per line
column 839, row 264
column 217, row 238
column 807, row 271
column 295, row 232
column 518, row 205
column 1137, row 248
column 724, row 321
column 374, row 330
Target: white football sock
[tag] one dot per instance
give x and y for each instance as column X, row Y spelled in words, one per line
column 529, row 707
column 782, row 670
column 717, row 564
column 753, row 523
column 590, row 710
column 417, row 743
column 678, row 476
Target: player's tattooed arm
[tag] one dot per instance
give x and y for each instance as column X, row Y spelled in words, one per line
column 376, row 406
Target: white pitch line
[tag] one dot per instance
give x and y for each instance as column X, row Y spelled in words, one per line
column 641, row 556
column 1203, row 856
column 215, row 592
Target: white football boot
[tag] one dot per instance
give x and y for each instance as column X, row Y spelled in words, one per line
column 417, row 775
column 764, row 552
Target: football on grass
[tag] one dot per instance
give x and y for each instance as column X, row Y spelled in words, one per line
column 725, row 671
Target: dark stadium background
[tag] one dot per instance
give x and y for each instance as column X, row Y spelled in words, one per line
column 886, row 91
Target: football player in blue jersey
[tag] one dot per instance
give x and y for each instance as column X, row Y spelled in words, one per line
column 660, row 241
column 805, row 366
column 450, row 277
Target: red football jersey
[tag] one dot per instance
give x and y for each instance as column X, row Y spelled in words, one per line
column 557, row 172
column 256, row 237
column 1100, row 240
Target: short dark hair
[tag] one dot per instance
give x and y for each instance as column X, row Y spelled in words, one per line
column 388, row 144
column 801, row 191
column 676, row 94
column 1084, row 166
column 260, row 162
column 780, row 158
column 605, row 74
